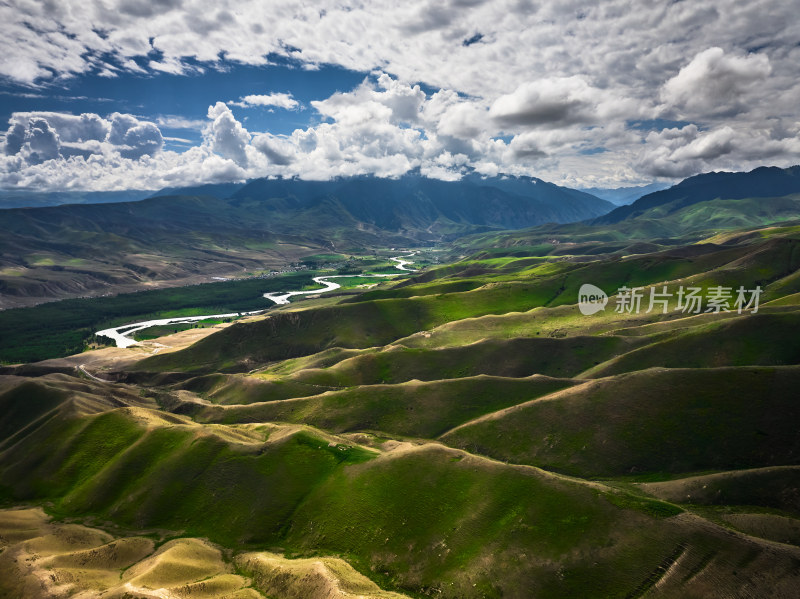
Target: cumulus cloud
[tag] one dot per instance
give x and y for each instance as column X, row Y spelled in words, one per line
column 279, row 151
column 71, row 128
column 134, row 138
column 36, row 137
column 394, row 101
column 547, row 102
column 681, row 152
column 714, row 83
column 225, row 135
column 560, row 102
column 39, row 142
column 551, row 89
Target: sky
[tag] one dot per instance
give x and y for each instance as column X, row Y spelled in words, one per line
column 137, row 94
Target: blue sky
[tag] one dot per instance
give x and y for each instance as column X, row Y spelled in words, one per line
column 133, row 94
column 169, row 97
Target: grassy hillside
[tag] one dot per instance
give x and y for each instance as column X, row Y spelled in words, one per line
column 377, row 322
column 413, row 409
column 423, row 520
column 463, row 433
column 654, row 422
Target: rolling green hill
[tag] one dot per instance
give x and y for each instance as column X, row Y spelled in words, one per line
column 465, row 432
column 423, row 520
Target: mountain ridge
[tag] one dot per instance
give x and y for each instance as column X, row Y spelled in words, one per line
column 710, row 186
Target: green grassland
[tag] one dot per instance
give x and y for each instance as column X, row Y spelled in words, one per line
column 464, row 431
column 412, row 409
column 424, row 521
column 655, row 421
column 378, row 322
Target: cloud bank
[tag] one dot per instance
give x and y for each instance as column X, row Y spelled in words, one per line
column 580, row 93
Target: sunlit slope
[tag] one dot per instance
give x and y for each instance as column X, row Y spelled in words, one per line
column 381, row 321
column 145, row 468
column 42, row 558
column 414, row 409
column 334, row 370
column 760, row 339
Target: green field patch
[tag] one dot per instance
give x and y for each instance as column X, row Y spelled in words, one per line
column 62, row 328
column 157, row 331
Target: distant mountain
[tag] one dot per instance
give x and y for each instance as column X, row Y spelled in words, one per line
column 422, row 208
column 214, row 190
column 38, row 199
column 70, row 250
column 41, row 199
column 763, row 182
column 622, row 196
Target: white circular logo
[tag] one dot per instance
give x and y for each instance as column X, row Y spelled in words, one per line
column 591, row 299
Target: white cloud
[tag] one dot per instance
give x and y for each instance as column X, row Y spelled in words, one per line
column 686, row 151
column 179, row 122
column 133, row 138
column 180, row 140
column 714, row 83
column 558, row 102
column 560, row 81
column 278, row 100
column 279, row 151
column 225, row 134
column 37, row 137
column 39, row 142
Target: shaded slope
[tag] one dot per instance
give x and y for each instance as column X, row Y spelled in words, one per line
column 654, row 421
column 777, row 487
column 518, row 357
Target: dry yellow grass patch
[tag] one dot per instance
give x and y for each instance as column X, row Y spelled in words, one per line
column 314, row 578
column 43, row 559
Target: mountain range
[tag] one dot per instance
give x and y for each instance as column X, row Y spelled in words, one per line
column 763, row 182
column 230, row 229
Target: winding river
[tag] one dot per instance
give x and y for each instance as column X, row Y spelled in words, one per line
column 121, row 334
